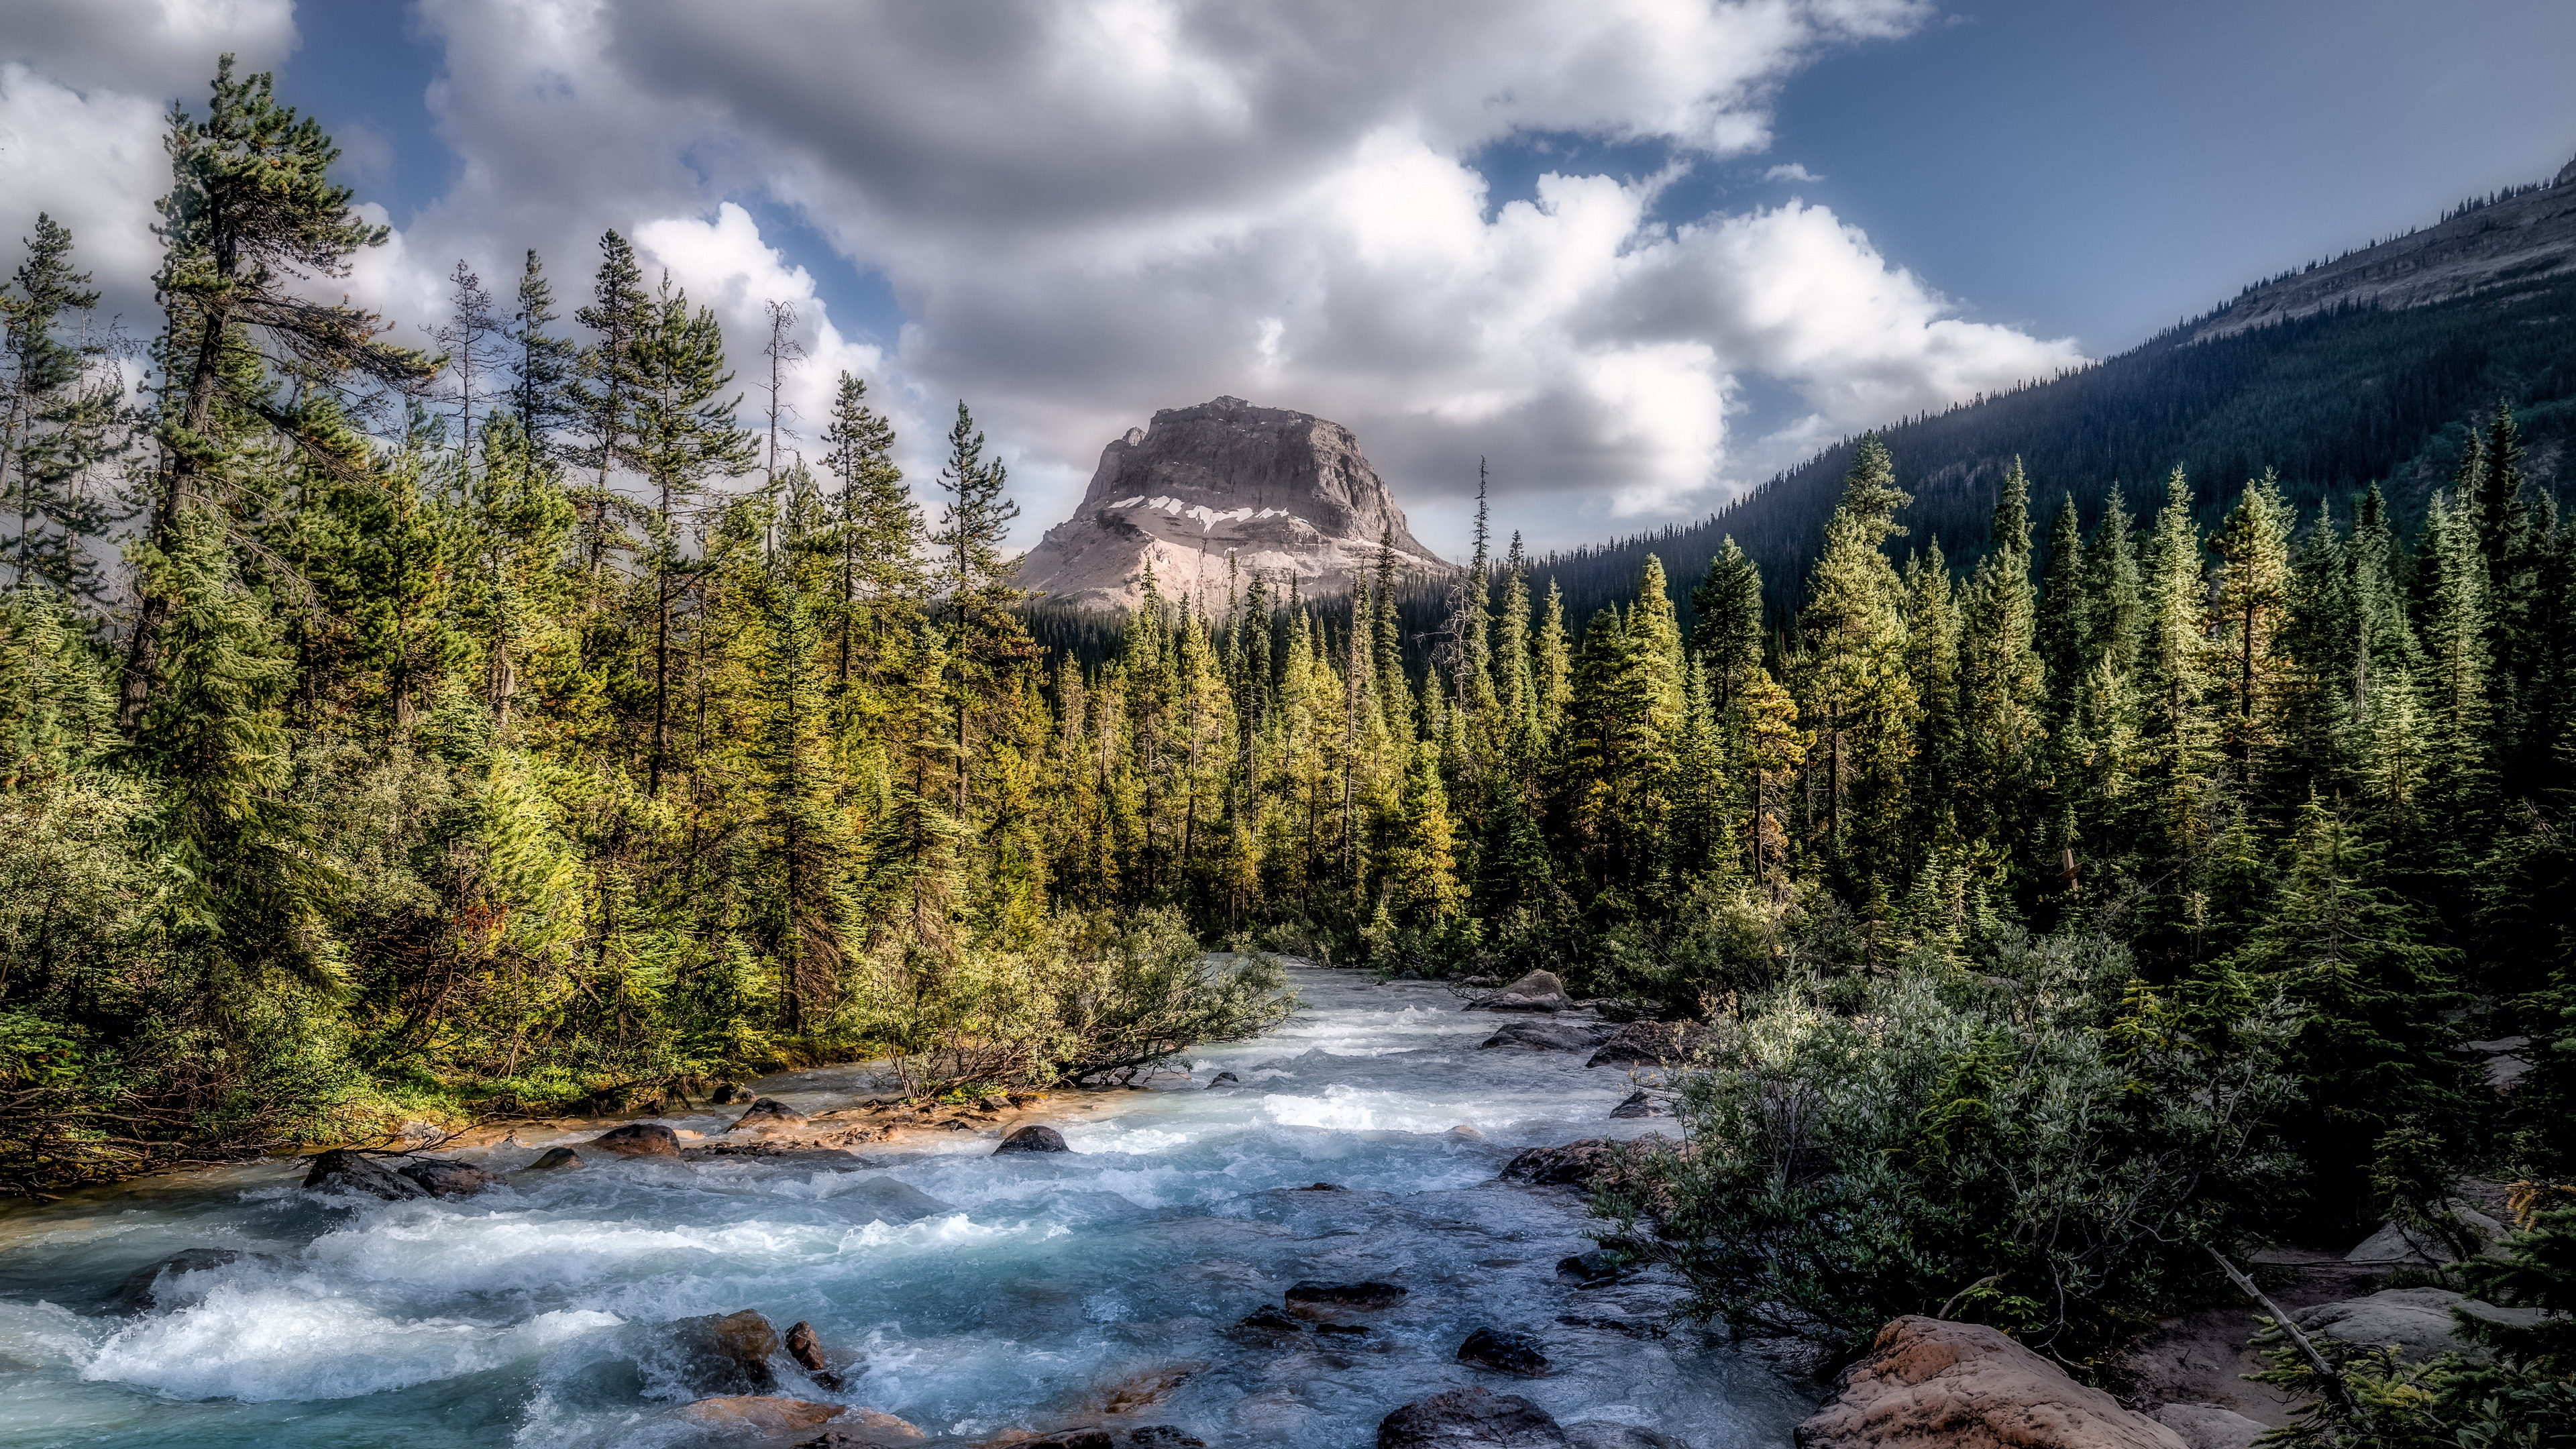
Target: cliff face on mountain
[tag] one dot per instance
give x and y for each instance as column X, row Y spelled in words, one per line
column 2523, row 238
column 1283, row 494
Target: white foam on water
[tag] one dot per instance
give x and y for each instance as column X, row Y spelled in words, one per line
column 530, row 1314
column 260, row 1344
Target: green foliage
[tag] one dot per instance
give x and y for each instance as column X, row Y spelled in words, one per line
column 2026, row 1151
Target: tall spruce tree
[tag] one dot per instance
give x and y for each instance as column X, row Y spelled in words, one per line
column 58, row 422
column 251, row 215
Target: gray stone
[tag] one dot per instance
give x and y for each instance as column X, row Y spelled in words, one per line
column 2207, row 1426
column 1537, row 991
column 155, row 1286
column 638, row 1139
column 2417, row 1322
column 1033, row 1138
column 1605, row 1434
column 1314, row 1292
column 340, row 1170
column 1282, row 494
column 890, row 1201
column 718, row 1353
column 1649, row 1044
column 1549, row 1036
column 1504, row 1350
column 2397, row 1243
column 440, row 1177
column 1470, row 1417
column 554, row 1157
column 767, row 1115
column 1641, row 1103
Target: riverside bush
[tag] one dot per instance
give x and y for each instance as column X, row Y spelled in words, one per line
column 2042, row 1152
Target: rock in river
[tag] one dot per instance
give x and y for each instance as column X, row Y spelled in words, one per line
column 1538, row 991
column 638, row 1139
column 1549, row 1036
column 555, row 1157
column 340, row 1170
column 1577, row 1164
column 1649, row 1044
column 1033, row 1138
column 155, row 1286
column 1931, row 1384
column 441, row 1178
column 721, row 1354
column 1504, row 1350
column 1640, row 1103
column 1470, row 1417
column 767, row 1115
column 1315, row 1293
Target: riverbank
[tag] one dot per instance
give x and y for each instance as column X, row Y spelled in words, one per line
column 1032, row 1290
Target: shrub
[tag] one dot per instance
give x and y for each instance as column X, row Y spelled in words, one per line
column 2040, row 1154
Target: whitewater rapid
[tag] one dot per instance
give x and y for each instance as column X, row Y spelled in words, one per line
column 527, row 1315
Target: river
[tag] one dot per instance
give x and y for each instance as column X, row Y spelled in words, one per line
column 526, row 1315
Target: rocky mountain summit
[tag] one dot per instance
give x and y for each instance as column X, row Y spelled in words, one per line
column 1286, row 495
column 2518, row 239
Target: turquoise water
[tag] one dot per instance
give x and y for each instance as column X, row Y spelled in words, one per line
column 527, row 1315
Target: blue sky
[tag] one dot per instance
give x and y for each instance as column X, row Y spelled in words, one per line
column 1765, row 223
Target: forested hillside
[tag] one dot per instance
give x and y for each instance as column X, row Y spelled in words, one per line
column 513, row 727
column 2329, row 403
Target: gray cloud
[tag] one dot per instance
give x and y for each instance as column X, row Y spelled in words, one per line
column 1092, row 211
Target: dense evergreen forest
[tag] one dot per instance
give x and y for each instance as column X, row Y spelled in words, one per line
column 523, row 727
column 2328, row 403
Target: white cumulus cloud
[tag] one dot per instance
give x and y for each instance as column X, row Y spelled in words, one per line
column 1088, row 211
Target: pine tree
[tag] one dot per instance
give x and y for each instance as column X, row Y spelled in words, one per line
column 1932, row 654
column 610, row 373
column 877, row 535
column 2175, row 731
column 1726, row 629
column 684, row 434
column 1852, row 686
column 542, row 390
column 471, row 340
column 2065, row 623
column 251, row 214
column 59, row 421
column 976, row 579
column 2002, row 731
column 2249, row 608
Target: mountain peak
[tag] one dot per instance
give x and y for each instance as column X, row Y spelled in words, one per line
column 1274, row 492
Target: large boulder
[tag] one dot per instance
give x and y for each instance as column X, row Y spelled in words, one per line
column 2207, row 1426
column 1314, row 1293
column 340, row 1170
column 1649, row 1044
column 1462, row 1418
column 1033, row 1138
column 1549, row 1036
column 2398, row 1244
column 1641, row 1103
column 638, row 1139
column 158, row 1285
column 1606, row 1434
column 768, row 1115
column 721, row 1354
column 1581, row 1164
column 759, row 1413
column 1930, row 1384
column 440, row 1177
column 2416, row 1321
column 1504, row 1350
column 1538, row 991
